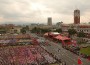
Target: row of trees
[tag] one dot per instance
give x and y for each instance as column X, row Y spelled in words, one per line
column 73, row 31
column 70, row 31
column 3, row 30
column 39, row 30
column 34, row 30
column 58, row 30
column 24, row 29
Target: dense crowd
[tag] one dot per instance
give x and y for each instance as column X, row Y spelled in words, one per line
column 22, row 55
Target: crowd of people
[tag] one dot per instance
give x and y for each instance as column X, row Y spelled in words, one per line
column 21, row 55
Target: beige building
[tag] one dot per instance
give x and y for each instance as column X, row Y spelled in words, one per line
column 15, row 29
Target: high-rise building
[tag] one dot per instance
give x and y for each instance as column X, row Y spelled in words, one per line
column 76, row 16
column 49, row 21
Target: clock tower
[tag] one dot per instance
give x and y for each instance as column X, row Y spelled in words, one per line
column 77, row 16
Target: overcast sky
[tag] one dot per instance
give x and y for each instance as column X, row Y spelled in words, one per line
column 39, row 10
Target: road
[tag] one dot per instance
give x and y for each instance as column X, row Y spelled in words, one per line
column 63, row 54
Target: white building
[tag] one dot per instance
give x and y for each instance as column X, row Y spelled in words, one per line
column 86, row 29
column 79, row 28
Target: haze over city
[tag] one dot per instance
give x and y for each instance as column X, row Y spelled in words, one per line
column 37, row 11
column 44, row 32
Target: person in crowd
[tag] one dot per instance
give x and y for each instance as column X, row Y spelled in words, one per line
column 59, row 49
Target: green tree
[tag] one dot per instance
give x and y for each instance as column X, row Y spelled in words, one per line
column 44, row 30
column 72, row 31
column 58, row 30
column 27, row 28
column 81, row 34
column 40, row 30
column 80, row 37
column 23, row 31
column 35, row 29
column 88, row 22
column 3, row 30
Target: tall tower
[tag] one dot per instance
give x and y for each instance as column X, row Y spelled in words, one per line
column 77, row 16
column 49, row 21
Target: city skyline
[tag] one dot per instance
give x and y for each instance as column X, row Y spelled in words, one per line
column 37, row 11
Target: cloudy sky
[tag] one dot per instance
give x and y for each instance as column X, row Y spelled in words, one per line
column 37, row 11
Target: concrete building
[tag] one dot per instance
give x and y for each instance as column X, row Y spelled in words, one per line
column 86, row 29
column 15, row 29
column 49, row 23
column 76, row 16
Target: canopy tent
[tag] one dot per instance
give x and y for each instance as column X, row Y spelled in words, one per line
column 55, row 33
column 51, row 34
column 46, row 34
column 59, row 37
column 64, row 40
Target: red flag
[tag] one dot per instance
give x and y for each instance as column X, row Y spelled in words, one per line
column 79, row 61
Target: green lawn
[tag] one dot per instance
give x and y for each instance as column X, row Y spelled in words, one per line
column 85, row 51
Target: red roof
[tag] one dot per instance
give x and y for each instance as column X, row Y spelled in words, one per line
column 84, row 26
